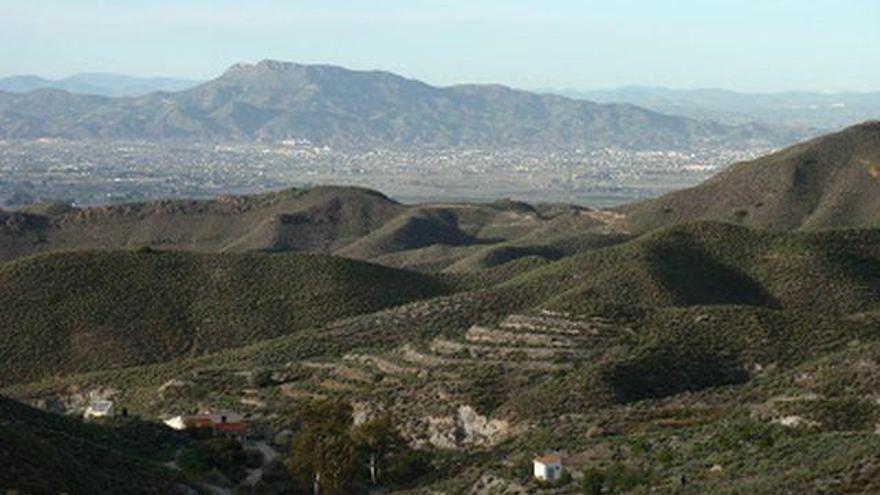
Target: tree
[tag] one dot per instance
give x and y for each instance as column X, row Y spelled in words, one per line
column 330, row 456
column 377, row 439
column 325, row 459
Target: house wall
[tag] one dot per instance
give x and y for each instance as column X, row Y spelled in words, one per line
column 547, row 472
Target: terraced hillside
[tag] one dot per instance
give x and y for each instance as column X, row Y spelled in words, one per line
column 672, row 393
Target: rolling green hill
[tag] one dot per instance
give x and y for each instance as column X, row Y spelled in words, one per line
column 837, row 272
column 691, row 345
column 116, row 309
column 83, row 311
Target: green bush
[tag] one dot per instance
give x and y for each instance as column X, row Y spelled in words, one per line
column 617, row 478
column 593, row 481
column 222, row 454
column 406, row 468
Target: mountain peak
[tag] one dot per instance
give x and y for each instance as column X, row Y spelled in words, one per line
column 266, row 66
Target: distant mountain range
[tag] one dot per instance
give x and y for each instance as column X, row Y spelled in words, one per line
column 97, row 84
column 327, row 105
column 822, row 111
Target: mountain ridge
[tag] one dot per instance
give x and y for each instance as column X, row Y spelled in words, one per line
column 330, row 105
column 822, row 111
column 96, row 83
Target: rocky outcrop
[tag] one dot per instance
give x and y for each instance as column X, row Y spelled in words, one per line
column 465, row 428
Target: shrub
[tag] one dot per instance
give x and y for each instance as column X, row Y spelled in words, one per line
column 406, row 468
column 222, row 454
column 618, row 478
column 593, row 482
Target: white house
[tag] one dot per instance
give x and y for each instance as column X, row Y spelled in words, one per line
column 99, row 409
column 548, row 467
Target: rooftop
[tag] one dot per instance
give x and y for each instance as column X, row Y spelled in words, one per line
column 549, row 459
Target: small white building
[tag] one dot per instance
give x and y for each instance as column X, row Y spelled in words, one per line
column 99, row 409
column 548, row 467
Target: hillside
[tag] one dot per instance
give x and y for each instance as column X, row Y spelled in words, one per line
column 118, row 309
column 74, row 312
column 660, row 357
column 46, row 454
column 320, row 219
column 834, row 272
column 674, row 339
column 341, row 108
column 829, row 182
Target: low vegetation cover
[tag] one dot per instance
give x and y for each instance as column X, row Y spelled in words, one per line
column 703, row 357
column 87, row 311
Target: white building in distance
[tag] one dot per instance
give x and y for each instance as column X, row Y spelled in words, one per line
column 548, row 467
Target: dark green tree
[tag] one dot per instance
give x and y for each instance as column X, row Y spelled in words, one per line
column 325, row 458
column 377, row 439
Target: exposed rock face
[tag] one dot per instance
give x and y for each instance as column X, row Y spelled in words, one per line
column 795, row 421
column 465, row 428
column 365, row 411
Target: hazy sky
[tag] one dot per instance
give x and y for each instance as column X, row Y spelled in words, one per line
column 737, row 44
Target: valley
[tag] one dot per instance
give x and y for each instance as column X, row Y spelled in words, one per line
column 98, row 173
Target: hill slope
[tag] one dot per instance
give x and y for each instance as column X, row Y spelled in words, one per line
column 44, row 453
column 834, row 272
column 356, row 109
column 676, row 351
column 343, row 221
column 829, row 182
column 84, row 311
column 319, row 219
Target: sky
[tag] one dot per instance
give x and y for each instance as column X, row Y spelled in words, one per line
column 746, row 45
